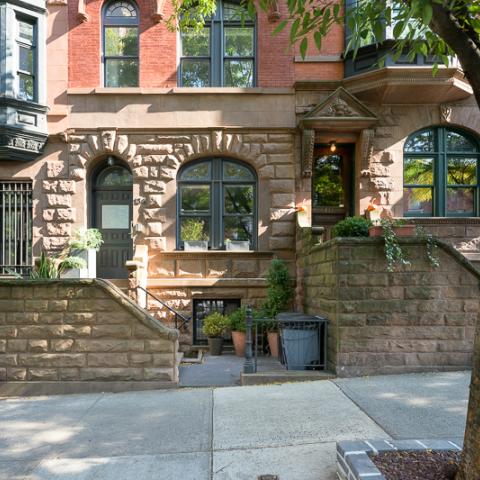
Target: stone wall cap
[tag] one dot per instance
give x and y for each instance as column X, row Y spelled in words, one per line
column 181, row 91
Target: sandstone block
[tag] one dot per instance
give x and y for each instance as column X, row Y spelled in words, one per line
column 80, row 318
column 281, row 243
column 69, row 374
column 56, row 169
column 282, row 186
column 3, row 346
column 107, row 360
column 11, row 305
column 140, row 359
column 62, row 345
column 49, row 317
column 245, row 268
column 114, row 331
column 93, row 305
column 36, row 305
column 277, row 148
column 284, row 171
column 42, row 374
column 59, row 229
column 110, row 374
column 37, row 346
column 163, row 360
column 110, row 345
column 52, row 359
column 159, row 346
column 9, row 360
column 15, row 345
column 8, row 331
column 159, row 374
column 16, row 374
column 55, row 200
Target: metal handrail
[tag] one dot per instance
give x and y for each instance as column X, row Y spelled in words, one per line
column 178, row 315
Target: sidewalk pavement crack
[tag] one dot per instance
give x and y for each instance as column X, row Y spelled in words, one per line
column 374, row 420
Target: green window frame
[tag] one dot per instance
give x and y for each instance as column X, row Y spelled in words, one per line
column 27, row 58
column 120, row 44
column 217, row 202
column 223, row 53
column 441, row 174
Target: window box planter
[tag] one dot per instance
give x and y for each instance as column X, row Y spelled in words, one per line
column 90, row 271
column 400, row 231
column 238, row 245
column 195, row 245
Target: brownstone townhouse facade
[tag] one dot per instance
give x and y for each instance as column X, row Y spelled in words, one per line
column 112, row 121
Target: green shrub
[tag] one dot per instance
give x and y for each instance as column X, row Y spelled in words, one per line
column 279, row 290
column 214, row 325
column 352, row 227
column 192, row 230
column 237, row 320
column 85, row 239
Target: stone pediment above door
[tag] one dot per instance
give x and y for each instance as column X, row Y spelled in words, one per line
column 339, row 111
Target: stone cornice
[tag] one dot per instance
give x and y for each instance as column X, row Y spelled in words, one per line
column 27, row 5
column 181, row 91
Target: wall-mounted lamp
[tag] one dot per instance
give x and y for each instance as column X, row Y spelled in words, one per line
column 333, row 146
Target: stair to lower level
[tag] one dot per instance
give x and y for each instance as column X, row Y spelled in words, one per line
column 121, row 283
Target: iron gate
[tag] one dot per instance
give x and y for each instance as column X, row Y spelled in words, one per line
column 15, row 227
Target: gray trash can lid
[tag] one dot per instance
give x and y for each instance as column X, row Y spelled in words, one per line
column 298, row 317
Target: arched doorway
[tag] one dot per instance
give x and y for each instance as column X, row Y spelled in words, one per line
column 112, row 215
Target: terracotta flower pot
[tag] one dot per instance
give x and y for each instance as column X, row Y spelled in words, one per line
column 400, row 231
column 239, row 343
column 215, row 344
column 273, row 343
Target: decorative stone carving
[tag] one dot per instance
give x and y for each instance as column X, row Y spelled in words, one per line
column 366, row 147
column 308, row 143
column 340, row 109
column 445, row 113
column 82, row 15
column 273, row 11
column 158, row 15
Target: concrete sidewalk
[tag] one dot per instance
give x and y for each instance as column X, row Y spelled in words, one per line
column 234, row 433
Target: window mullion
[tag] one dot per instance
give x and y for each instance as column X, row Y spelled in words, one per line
column 441, row 168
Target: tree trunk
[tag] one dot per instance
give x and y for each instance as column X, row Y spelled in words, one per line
column 470, row 466
column 466, row 44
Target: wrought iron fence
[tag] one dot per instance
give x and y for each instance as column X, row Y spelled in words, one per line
column 15, row 227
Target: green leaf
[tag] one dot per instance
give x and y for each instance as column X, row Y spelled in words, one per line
column 280, row 27
column 294, row 29
column 435, row 69
column 317, row 36
column 398, row 28
column 303, row 47
column 427, row 13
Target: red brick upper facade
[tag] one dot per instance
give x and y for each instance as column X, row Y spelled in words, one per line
column 159, row 51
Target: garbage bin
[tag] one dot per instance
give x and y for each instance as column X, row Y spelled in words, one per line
column 303, row 341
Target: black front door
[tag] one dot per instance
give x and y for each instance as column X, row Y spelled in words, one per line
column 112, row 215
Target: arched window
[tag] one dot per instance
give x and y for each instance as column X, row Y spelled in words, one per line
column 120, row 44
column 440, row 174
column 223, row 53
column 217, row 202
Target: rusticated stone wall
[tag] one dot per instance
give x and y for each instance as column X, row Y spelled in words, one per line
column 70, row 333
column 417, row 318
column 155, row 159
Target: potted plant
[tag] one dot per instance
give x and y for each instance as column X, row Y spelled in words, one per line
column 398, row 226
column 84, row 244
column 214, row 326
column 238, row 326
column 352, row 227
column 279, row 299
column 237, row 245
column 193, row 235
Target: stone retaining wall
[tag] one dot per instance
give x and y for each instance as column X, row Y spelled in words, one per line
column 74, row 332
column 418, row 318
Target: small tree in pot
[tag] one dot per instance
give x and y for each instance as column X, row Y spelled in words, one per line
column 279, row 299
column 214, row 326
column 238, row 326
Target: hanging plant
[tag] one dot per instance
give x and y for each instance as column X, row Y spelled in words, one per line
column 393, row 251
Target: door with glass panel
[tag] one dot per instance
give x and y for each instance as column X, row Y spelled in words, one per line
column 112, row 215
column 332, row 188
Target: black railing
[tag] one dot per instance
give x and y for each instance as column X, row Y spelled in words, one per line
column 181, row 321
